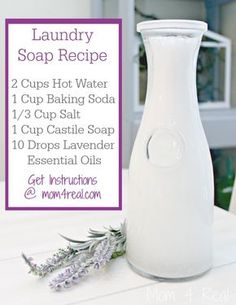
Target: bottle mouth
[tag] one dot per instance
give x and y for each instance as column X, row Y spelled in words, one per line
column 172, row 24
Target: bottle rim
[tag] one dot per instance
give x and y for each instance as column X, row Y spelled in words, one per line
column 172, row 24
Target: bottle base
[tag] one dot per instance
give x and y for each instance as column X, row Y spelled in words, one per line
column 166, row 279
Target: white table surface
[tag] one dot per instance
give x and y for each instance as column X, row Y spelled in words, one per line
column 36, row 233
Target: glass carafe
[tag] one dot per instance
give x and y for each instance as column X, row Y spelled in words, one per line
column 170, row 208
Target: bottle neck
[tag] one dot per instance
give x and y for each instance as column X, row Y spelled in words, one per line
column 171, row 70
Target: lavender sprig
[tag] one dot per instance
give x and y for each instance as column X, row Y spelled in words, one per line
column 80, row 257
column 59, row 259
column 103, row 252
column 73, row 274
column 68, row 277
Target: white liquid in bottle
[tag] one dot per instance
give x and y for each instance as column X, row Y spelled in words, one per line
column 170, row 206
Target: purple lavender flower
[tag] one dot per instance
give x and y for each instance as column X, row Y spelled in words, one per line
column 68, row 277
column 57, row 260
column 72, row 274
column 103, row 252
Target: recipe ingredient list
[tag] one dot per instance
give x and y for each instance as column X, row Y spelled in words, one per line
column 63, row 113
